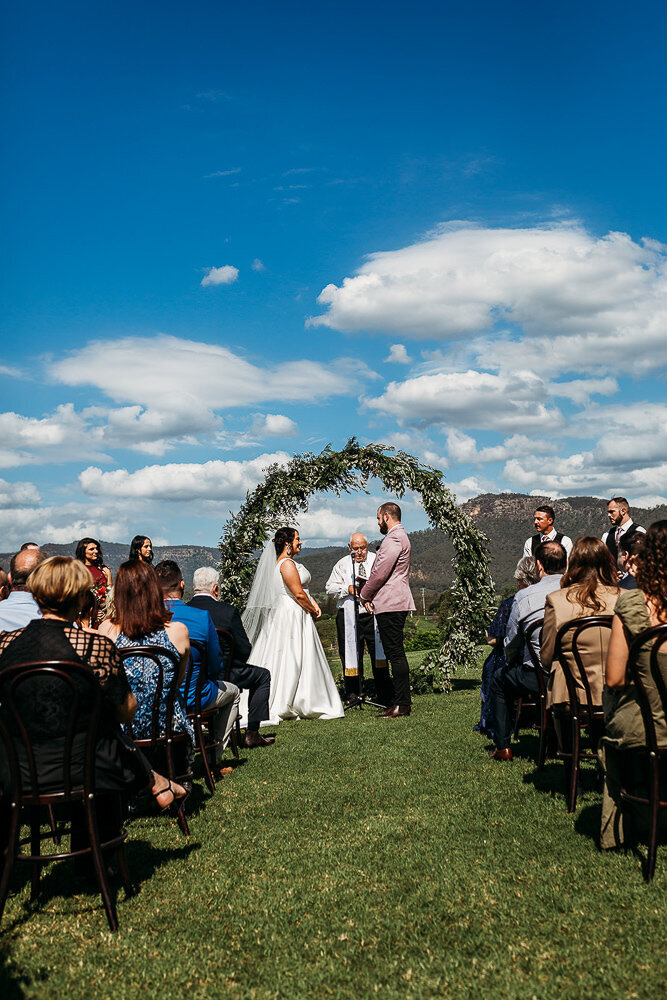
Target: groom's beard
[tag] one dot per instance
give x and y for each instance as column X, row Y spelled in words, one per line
column 383, row 529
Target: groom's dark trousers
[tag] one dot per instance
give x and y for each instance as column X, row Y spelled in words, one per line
column 390, row 626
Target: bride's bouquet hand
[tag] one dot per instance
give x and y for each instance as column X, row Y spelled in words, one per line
column 317, row 611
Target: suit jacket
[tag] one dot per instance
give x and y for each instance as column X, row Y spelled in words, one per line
column 592, row 646
column 388, row 586
column 201, row 628
column 225, row 616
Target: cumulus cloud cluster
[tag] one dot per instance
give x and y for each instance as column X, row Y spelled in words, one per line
column 225, row 275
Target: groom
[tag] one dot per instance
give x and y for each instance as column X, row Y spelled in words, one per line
column 387, row 595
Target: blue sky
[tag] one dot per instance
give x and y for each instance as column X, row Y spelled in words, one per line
column 230, row 235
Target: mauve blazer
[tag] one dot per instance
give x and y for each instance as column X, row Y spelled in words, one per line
column 388, row 586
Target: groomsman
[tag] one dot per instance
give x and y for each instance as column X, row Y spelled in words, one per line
column 622, row 525
column 361, row 632
column 387, row 595
column 543, row 519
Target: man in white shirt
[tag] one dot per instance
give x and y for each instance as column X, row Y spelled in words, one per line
column 622, row 525
column 339, row 585
column 20, row 607
column 543, row 519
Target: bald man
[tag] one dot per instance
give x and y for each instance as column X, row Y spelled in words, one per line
column 20, row 607
column 339, row 585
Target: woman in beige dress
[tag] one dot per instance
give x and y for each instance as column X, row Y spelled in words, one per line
column 588, row 587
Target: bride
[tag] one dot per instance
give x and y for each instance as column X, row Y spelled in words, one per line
column 280, row 621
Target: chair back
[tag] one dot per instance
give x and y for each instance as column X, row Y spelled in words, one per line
column 75, row 701
column 577, row 626
column 202, row 676
column 657, row 635
column 160, row 735
column 228, row 648
column 530, row 631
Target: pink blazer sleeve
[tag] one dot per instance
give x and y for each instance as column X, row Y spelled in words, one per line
column 385, row 560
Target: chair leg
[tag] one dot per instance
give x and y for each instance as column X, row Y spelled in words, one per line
column 517, row 720
column 542, row 752
column 54, row 826
column 653, row 819
column 100, row 867
column 574, row 771
column 182, row 821
column 201, row 742
column 234, row 743
column 10, row 850
column 35, row 850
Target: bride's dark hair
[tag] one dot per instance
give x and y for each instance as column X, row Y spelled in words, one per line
column 283, row 537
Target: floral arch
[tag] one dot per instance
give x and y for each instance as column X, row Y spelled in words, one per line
column 286, row 491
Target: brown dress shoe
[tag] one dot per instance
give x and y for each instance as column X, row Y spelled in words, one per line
column 256, row 740
column 395, row 712
column 498, row 754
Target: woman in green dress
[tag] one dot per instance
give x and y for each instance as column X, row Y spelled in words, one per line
column 636, row 610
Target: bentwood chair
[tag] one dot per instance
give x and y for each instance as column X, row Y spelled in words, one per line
column 202, row 717
column 228, row 647
column 72, row 725
column 538, row 702
column 585, row 715
column 165, row 748
column 655, row 752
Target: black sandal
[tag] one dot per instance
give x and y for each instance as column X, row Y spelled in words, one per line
column 174, row 797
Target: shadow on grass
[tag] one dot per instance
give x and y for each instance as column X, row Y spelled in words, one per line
column 143, row 860
column 465, row 683
column 12, row 982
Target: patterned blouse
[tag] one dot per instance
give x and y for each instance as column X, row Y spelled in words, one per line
column 142, row 674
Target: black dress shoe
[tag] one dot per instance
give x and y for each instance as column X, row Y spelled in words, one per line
column 395, row 712
column 256, row 740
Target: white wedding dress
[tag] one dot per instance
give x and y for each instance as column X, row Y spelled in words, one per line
column 302, row 685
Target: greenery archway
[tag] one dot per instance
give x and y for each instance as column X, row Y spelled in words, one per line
column 286, row 491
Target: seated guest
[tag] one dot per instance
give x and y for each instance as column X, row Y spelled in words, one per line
column 216, row 692
column 141, row 548
column 543, row 519
column 525, row 575
column 59, row 585
column 141, row 619
column 629, row 548
column 257, row 680
column 636, row 610
column 588, row 587
column 20, row 607
column 518, row 678
column 4, row 584
column 89, row 552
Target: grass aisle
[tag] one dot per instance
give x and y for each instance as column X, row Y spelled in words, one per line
column 359, row 858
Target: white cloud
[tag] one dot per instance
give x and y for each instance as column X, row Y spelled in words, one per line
column 225, row 275
column 470, row 399
column 326, row 526
column 214, row 480
column 258, row 265
column 398, row 354
column 581, row 473
column 274, row 425
column 223, row 173
column 17, row 494
column 575, row 298
column 168, row 374
column 60, row 524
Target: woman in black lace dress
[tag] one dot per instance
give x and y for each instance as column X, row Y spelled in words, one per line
column 59, row 586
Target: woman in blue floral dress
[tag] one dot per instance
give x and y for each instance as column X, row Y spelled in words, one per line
column 140, row 618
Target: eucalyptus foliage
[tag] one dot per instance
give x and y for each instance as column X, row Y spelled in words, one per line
column 285, row 493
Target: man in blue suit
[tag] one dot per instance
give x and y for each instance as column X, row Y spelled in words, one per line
column 216, row 692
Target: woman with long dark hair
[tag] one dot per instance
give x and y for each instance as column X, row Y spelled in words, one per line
column 280, row 622
column 588, row 587
column 140, row 618
column 89, row 552
column 141, row 548
column 636, row 610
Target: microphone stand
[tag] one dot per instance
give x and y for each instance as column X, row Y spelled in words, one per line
column 361, row 699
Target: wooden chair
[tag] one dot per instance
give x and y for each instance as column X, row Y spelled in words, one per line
column 201, row 717
column 77, row 700
column 161, row 745
column 656, row 753
column 583, row 715
column 228, row 647
column 538, row 703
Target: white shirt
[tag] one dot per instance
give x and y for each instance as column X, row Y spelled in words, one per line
column 551, row 537
column 341, row 578
column 17, row 610
column 622, row 530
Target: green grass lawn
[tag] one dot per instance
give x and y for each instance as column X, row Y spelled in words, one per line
column 361, row 858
